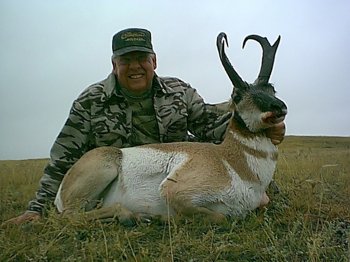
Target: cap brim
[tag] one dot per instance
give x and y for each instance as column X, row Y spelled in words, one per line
column 129, row 49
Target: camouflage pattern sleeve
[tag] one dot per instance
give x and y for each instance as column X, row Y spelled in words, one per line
column 207, row 122
column 71, row 143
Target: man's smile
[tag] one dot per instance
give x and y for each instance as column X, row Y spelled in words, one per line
column 136, row 76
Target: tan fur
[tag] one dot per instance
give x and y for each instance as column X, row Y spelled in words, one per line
column 90, row 176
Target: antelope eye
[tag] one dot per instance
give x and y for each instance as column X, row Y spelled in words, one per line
column 236, row 97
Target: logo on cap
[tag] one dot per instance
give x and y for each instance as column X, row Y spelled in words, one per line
column 133, row 36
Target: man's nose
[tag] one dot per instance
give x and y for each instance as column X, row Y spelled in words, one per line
column 134, row 62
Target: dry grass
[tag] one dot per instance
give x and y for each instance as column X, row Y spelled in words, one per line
column 308, row 220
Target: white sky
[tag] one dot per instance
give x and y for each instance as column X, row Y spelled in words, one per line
column 51, row 50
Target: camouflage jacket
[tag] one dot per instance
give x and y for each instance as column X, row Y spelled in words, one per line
column 100, row 116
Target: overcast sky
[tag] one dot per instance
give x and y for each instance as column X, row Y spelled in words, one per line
column 51, row 50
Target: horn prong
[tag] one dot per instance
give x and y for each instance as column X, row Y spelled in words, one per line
column 268, row 57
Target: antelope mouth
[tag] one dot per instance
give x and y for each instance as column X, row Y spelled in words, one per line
column 272, row 118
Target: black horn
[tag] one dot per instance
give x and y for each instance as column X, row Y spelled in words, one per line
column 268, row 57
column 232, row 74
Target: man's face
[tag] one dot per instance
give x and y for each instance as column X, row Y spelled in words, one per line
column 135, row 71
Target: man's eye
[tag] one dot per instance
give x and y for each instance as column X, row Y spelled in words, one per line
column 124, row 61
column 142, row 58
column 128, row 60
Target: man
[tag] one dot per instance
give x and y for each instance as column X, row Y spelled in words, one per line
column 132, row 106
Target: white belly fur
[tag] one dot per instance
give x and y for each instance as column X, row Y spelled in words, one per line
column 138, row 185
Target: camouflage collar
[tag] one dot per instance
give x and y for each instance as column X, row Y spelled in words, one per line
column 109, row 85
column 160, row 86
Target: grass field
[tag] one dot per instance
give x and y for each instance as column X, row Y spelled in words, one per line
column 307, row 220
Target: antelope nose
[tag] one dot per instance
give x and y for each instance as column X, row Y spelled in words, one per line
column 282, row 112
column 280, row 109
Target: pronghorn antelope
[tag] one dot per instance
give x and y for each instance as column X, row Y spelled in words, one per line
column 218, row 181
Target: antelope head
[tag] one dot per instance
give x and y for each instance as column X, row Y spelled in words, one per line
column 255, row 105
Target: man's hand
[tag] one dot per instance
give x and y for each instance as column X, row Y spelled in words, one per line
column 23, row 218
column 276, row 133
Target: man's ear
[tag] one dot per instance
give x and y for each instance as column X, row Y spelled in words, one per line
column 114, row 64
column 154, row 58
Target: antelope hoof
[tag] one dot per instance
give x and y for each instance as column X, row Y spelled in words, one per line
column 132, row 219
column 127, row 222
column 127, row 218
column 144, row 218
column 264, row 200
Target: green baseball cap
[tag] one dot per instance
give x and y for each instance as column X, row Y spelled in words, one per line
column 132, row 39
